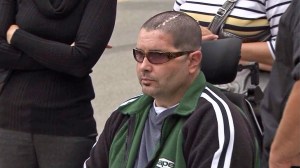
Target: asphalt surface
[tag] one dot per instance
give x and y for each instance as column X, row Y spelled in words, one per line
column 114, row 75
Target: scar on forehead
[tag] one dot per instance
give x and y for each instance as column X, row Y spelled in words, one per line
column 166, row 21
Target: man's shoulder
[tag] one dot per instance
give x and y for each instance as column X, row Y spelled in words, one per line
column 213, row 102
column 214, row 95
column 134, row 104
column 130, row 100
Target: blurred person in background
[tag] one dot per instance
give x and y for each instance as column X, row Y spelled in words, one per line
column 280, row 107
column 254, row 22
column 50, row 48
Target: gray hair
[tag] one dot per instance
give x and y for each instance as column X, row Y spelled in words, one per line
column 183, row 28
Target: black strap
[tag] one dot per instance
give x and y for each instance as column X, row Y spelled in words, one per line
column 221, row 16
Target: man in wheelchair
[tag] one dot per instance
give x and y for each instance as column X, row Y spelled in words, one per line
column 180, row 120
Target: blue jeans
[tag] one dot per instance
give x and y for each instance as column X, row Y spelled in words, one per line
column 25, row 150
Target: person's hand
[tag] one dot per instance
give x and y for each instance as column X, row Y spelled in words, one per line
column 296, row 160
column 276, row 162
column 205, row 31
column 10, row 32
column 207, row 34
column 286, row 164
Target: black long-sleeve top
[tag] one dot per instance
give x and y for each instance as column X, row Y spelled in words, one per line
column 50, row 90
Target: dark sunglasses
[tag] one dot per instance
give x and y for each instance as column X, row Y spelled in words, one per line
column 157, row 57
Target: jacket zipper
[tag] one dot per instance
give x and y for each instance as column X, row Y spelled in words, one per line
column 164, row 134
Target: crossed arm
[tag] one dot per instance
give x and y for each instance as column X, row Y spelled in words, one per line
column 20, row 48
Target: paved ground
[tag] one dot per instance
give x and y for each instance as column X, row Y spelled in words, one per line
column 114, row 75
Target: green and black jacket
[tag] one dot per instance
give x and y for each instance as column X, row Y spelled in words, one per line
column 206, row 130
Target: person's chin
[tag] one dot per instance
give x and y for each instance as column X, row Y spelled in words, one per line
column 147, row 90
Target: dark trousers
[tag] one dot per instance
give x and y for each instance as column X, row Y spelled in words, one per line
column 25, row 150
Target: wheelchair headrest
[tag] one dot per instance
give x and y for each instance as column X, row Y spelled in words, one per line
column 220, row 60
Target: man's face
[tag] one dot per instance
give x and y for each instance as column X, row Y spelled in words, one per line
column 161, row 81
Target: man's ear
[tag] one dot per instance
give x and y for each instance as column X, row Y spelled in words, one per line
column 195, row 61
